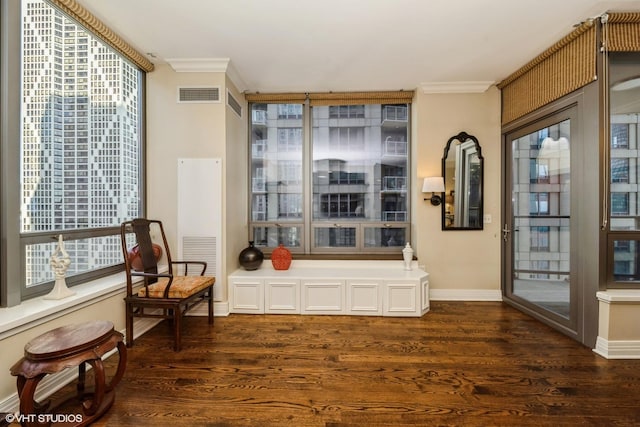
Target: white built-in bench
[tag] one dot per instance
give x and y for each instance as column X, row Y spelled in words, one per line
column 374, row 288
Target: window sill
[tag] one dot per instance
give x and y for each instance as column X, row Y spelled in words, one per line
column 612, row 296
column 37, row 311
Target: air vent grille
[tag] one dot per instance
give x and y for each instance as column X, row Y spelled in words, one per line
column 199, row 94
column 234, row 104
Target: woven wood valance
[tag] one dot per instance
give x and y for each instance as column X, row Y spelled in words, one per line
column 621, row 32
column 333, row 98
column 566, row 66
column 358, row 98
column 276, row 98
column 88, row 20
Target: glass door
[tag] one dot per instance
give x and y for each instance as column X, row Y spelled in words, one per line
column 537, row 228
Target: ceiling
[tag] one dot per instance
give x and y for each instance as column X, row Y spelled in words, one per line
column 350, row 45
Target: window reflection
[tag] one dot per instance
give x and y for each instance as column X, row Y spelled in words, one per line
column 357, row 174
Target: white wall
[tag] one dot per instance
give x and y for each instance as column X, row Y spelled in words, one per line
column 235, row 230
column 461, row 264
column 181, row 130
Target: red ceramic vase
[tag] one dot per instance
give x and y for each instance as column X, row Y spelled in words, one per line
column 281, row 258
column 136, row 260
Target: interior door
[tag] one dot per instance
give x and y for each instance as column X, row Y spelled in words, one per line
column 537, row 229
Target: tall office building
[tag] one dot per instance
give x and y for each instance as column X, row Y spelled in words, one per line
column 80, row 139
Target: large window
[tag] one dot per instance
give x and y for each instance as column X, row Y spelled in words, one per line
column 330, row 178
column 80, row 152
column 624, row 137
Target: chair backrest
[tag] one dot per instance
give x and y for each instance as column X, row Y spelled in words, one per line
column 143, row 254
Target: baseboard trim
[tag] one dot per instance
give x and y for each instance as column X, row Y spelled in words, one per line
column 220, row 309
column 465, row 295
column 617, row 349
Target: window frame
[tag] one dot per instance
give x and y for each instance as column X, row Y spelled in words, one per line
column 308, row 246
column 621, row 141
column 13, row 289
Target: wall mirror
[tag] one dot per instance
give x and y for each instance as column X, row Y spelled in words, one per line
column 462, row 170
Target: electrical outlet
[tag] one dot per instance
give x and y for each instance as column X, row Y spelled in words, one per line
column 487, row 218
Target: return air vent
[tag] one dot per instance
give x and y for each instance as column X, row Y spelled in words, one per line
column 198, row 94
column 234, row 104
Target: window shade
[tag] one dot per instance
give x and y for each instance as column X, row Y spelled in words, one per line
column 88, row 20
column 564, row 67
column 622, row 32
column 334, row 98
column 358, row 98
column 276, row 98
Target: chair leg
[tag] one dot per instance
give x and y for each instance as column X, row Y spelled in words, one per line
column 210, row 302
column 177, row 321
column 129, row 324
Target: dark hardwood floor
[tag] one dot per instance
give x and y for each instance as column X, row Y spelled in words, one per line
column 462, row 364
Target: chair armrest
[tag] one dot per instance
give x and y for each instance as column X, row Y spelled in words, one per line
column 155, row 276
column 187, row 263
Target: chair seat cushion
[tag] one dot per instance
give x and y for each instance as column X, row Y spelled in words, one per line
column 182, row 286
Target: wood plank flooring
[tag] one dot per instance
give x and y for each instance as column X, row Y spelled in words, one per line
column 462, row 364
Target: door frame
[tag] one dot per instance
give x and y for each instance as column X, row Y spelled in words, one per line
column 586, row 189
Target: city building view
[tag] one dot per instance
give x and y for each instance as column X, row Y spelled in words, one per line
column 358, row 177
column 80, row 140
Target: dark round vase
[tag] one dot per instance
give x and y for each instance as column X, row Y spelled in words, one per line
column 251, row 257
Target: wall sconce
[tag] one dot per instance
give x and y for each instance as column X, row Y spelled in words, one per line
column 433, row 185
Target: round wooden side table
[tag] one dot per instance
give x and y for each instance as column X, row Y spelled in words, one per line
column 66, row 347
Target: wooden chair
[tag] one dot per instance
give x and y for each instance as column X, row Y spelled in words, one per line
column 161, row 295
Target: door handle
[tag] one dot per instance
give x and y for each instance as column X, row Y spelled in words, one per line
column 505, row 232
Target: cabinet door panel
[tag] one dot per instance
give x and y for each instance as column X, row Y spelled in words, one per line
column 364, row 297
column 247, row 296
column 282, row 296
column 401, row 299
column 323, row 297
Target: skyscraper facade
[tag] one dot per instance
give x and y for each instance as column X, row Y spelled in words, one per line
column 80, row 140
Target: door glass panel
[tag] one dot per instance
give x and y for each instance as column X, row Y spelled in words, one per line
column 541, row 218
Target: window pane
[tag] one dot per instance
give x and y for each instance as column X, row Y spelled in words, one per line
column 360, row 168
column 335, row 237
column 623, row 259
column 290, row 237
column 276, row 165
column 623, row 164
column 385, row 237
column 85, row 254
column 80, row 128
column 81, row 143
column 354, row 159
column 626, row 260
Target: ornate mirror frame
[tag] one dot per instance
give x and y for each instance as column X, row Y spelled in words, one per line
column 463, row 173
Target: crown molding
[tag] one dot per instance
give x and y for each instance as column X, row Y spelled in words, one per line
column 235, row 77
column 208, row 65
column 455, row 87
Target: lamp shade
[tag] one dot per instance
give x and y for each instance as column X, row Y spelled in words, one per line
column 433, row 184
